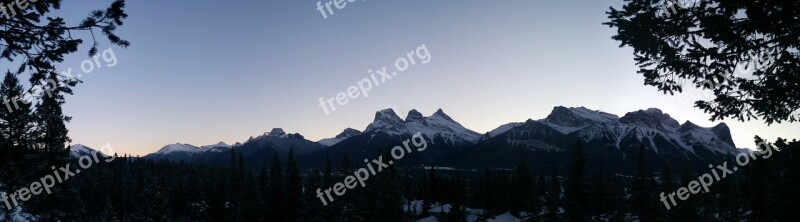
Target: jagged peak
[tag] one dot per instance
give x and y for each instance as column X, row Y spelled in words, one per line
column 415, row 116
column 722, row 126
column 178, row 147
column 440, row 113
column 651, row 117
column 387, row 114
column 689, row 123
column 654, row 111
column 220, row 144
column 276, row 132
column 348, row 133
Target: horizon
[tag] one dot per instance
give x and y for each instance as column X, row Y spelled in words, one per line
column 278, row 59
column 363, row 129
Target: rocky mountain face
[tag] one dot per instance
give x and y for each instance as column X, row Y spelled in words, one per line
column 611, row 142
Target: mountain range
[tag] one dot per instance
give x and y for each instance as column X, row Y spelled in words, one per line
column 610, row 141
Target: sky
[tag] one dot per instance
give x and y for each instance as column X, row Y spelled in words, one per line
column 211, row 71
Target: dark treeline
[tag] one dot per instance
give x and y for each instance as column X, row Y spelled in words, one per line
column 137, row 189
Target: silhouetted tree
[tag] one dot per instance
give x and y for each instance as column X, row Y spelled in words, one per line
column 743, row 52
column 576, row 197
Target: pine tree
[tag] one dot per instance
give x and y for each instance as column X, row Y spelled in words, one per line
column 457, row 213
column 433, row 186
column 707, row 43
column 486, row 193
column 276, row 202
column 667, row 185
column 687, row 209
column 327, row 181
column 16, row 121
column 294, row 188
column 523, row 196
column 576, row 191
column 642, row 189
column 51, row 135
column 554, row 196
column 314, row 210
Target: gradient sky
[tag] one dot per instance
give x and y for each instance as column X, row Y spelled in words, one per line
column 201, row 72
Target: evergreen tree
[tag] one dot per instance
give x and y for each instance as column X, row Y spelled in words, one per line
column 51, row 135
column 523, row 189
column 294, row 188
column 457, row 213
column 576, row 191
column 540, row 195
column 277, row 198
column 745, row 53
column 16, row 121
column 643, row 190
column 554, row 196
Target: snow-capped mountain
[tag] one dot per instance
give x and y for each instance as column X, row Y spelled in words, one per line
column 78, row 150
column 648, row 125
column 187, row 152
column 179, row 147
column 439, row 127
column 220, row 145
column 501, row 129
column 279, row 141
column 347, row 133
column 607, row 138
column 256, row 150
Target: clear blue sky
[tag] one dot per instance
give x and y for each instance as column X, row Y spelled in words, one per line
column 201, row 72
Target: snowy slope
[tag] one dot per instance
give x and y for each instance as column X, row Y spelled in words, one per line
column 78, row 150
column 502, row 129
column 650, row 126
column 179, row 147
column 347, row 133
column 438, row 127
column 220, row 144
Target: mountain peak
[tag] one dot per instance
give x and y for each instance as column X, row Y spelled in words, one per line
column 724, row 133
column 438, row 127
column 276, row 132
column 722, row 126
column 578, row 116
column 688, row 125
column 178, row 147
column 414, row 116
column 387, row 115
column 220, row 144
column 345, row 134
column 386, row 119
column 654, row 111
column 348, row 133
column 440, row 113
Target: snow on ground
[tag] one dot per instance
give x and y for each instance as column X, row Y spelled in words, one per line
column 506, row 217
column 428, row 219
column 16, row 214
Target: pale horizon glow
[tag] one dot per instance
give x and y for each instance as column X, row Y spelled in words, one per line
column 206, row 72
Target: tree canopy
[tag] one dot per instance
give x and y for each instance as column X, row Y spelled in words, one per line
column 30, row 34
column 744, row 52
